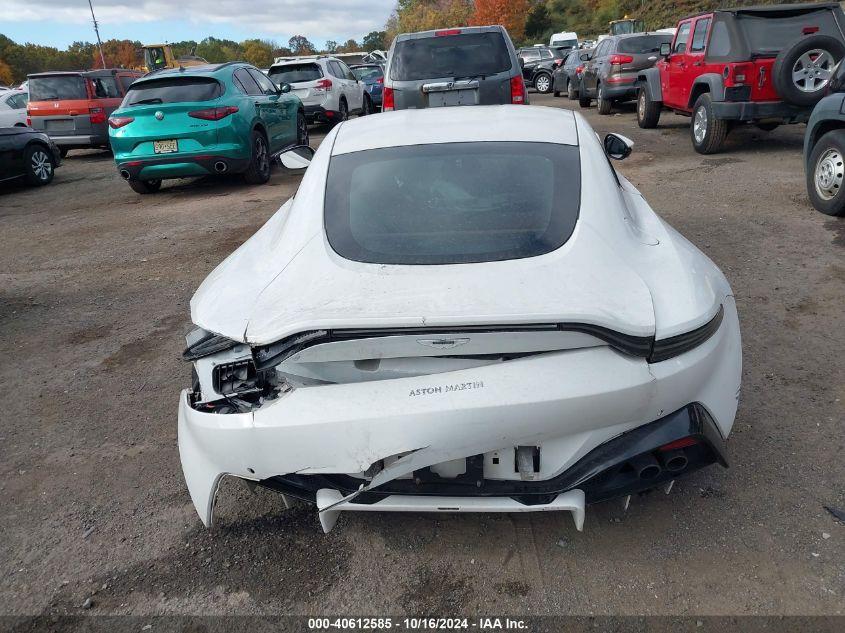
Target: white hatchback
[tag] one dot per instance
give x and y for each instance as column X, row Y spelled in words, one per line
column 326, row 86
column 462, row 309
column 13, row 108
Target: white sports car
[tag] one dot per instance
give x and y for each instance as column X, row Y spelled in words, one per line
column 462, row 309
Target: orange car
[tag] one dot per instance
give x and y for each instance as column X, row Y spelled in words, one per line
column 73, row 108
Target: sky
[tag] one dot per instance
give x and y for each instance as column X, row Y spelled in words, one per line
column 61, row 22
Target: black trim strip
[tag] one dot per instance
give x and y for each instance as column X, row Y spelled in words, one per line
column 677, row 345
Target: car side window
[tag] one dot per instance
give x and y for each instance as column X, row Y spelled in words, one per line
column 106, row 88
column 126, row 81
column 546, row 54
column 246, row 83
column 699, row 35
column 346, row 73
column 681, row 38
column 531, row 56
column 17, row 102
column 267, row 86
column 334, row 70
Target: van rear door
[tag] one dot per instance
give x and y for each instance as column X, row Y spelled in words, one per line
column 451, row 67
column 58, row 104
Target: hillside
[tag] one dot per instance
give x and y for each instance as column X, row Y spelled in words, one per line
column 591, row 17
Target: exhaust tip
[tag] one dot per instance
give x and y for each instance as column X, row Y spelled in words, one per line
column 220, row 167
column 650, row 472
column 124, row 174
column 646, row 467
column 675, row 461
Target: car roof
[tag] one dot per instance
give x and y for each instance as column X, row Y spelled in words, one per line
column 464, row 124
column 786, row 9
column 102, row 72
column 463, row 31
column 204, row 70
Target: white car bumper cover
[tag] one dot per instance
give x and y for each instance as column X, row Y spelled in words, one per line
column 568, row 402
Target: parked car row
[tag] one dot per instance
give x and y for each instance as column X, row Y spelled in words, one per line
column 763, row 66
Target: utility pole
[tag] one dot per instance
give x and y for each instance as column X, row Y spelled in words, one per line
column 97, row 31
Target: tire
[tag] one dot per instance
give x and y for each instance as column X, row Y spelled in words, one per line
column 811, row 58
column 366, row 106
column 648, row 111
column 258, row 171
column 826, row 173
column 583, row 100
column 39, row 165
column 571, row 93
column 145, row 186
column 63, row 151
column 302, row 135
column 707, row 132
column 605, row 106
column 768, row 127
column 343, row 111
column 543, row 83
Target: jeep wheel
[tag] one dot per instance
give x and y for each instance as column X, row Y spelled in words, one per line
column 648, row 111
column 543, row 83
column 826, row 172
column 145, row 186
column 707, row 132
column 801, row 72
column 604, row 104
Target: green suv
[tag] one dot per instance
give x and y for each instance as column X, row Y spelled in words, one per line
column 201, row 120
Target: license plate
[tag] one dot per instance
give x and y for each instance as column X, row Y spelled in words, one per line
column 165, row 147
column 60, row 125
column 452, row 98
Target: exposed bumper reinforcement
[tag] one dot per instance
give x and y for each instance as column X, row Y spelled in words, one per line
column 331, row 503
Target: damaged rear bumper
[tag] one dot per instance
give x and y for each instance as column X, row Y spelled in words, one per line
column 589, row 413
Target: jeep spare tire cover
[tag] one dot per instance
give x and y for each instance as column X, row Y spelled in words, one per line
column 802, row 71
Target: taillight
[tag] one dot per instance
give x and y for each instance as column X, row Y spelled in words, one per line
column 28, row 118
column 684, row 442
column 446, row 32
column 323, row 85
column 213, row 114
column 667, row 348
column 387, row 99
column 116, row 122
column 517, row 89
column 621, row 59
column 579, row 70
column 558, row 62
column 380, row 80
column 97, row 115
column 737, row 74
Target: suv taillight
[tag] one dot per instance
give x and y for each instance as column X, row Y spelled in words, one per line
column 97, row 115
column 737, row 74
column 213, row 114
column 579, row 70
column 621, row 59
column 517, row 90
column 387, row 100
column 324, row 85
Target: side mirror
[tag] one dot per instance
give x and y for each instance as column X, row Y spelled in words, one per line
column 665, row 49
column 584, row 57
column 284, row 88
column 617, row 146
column 298, row 157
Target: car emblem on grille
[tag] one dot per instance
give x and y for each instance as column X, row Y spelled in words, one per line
column 442, row 343
column 159, row 115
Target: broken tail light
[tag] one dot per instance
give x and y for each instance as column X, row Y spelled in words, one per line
column 232, row 378
column 213, row 114
column 203, row 343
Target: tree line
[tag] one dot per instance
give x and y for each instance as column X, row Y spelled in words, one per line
column 19, row 60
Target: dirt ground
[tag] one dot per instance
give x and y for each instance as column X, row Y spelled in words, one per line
column 94, row 288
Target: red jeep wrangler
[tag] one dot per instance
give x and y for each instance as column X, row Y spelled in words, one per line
column 762, row 65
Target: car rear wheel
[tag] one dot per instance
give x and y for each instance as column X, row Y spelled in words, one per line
column 302, row 137
column 543, row 83
column 366, row 106
column 571, row 93
column 604, row 104
column 583, row 100
column 145, row 186
column 826, row 174
column 648, row 111
column 343, row 111
column 39, row 165
column 258, row 171
column 557, row 91
column 707, row 132
column 802, row 72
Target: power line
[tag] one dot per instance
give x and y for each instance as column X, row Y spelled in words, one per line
column 97, row 31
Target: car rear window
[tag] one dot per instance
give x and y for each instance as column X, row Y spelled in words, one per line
column 771, row 33
column 57, row 87
column 464, row 55
column 644, row 44
column 452, row 203
column 565, row 43
column 172, row 90
column 367, row 73
column 296, row 73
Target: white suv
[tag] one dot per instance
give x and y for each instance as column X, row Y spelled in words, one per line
column 325, row 85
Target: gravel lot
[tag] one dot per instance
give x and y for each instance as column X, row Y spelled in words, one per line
column 94, row 289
